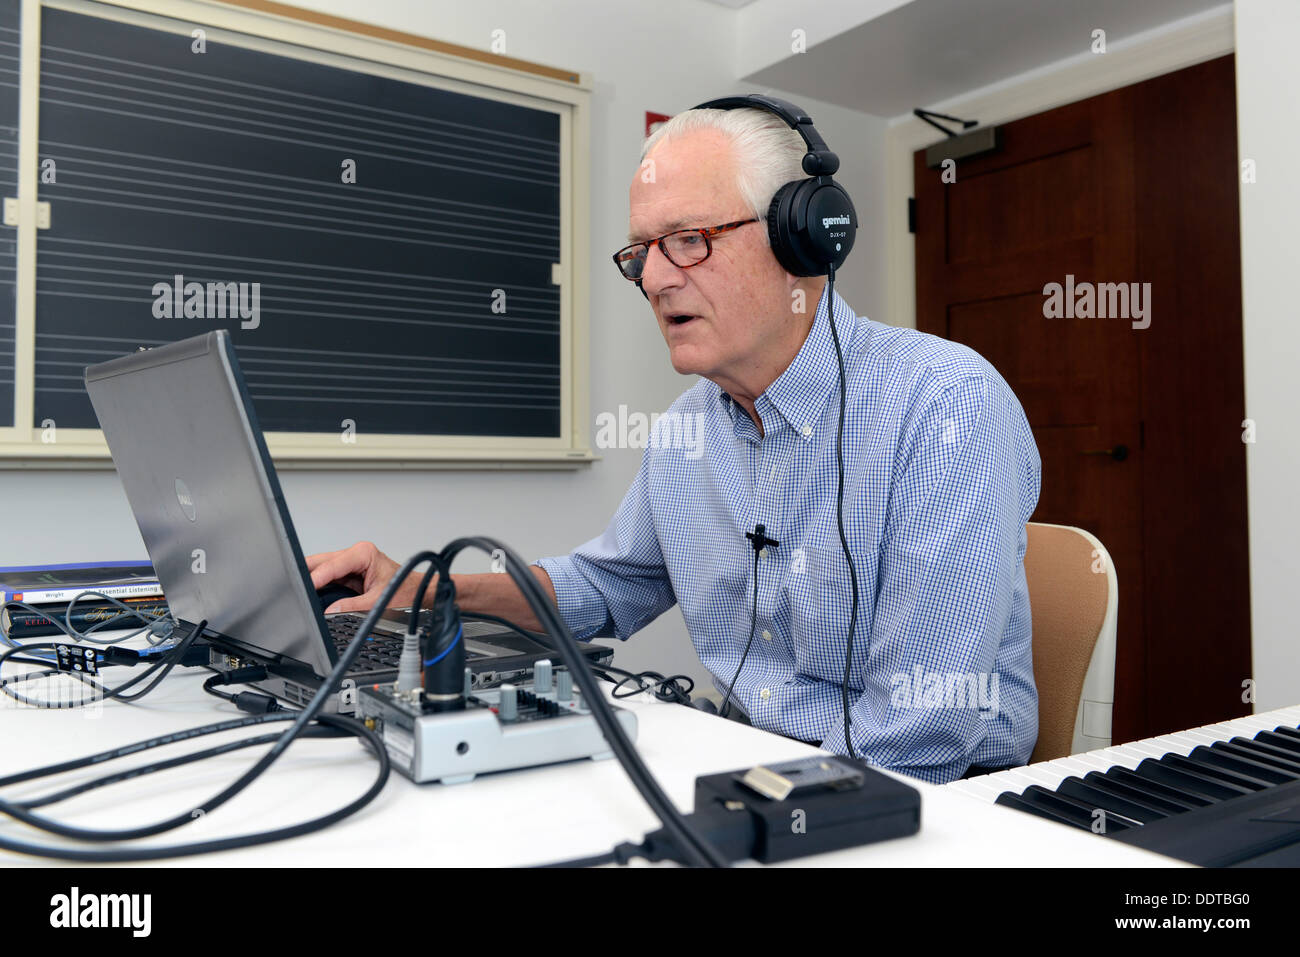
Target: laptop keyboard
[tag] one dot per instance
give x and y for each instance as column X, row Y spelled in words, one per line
column 382, row 650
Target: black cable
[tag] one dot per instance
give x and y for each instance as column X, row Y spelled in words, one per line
column 300, row 720
column 753, row 625
column 123, row 855
column 168, row 764
column 161, row 668
column 695, row 849
column 839, row 512
column 663, row 688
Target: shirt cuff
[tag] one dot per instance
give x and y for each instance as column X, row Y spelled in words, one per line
column 581, row 605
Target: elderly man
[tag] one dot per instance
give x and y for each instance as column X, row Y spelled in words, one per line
column 940, row 474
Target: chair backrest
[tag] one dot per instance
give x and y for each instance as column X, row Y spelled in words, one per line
column 1073, row 598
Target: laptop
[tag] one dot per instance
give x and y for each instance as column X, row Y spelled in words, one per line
column 180, row 425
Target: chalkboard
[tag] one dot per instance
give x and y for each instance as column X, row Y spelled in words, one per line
column 9, row 40
column 380, row 250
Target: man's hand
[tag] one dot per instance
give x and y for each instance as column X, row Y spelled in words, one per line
column 365, row 569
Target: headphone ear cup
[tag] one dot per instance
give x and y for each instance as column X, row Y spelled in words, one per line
column 781, row 228
column 811, row 226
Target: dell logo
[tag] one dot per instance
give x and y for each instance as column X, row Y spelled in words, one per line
column 829, row 221
column 186, row 499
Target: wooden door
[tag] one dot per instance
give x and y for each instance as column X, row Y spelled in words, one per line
column 1134, row 392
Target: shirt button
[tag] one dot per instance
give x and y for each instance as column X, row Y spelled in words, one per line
column 807, row 431
column 762, row 553
column 767, row 635
column 765, row 693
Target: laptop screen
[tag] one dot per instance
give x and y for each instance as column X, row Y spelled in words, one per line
column 186, row 443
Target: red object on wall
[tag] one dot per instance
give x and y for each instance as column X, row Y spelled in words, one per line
column 652, row 121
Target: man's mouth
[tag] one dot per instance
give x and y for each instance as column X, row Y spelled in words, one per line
column 680, row 318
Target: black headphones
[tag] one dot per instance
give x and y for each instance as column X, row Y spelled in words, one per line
column 811, row 222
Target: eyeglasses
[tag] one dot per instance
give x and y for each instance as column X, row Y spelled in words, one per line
column 684, row 248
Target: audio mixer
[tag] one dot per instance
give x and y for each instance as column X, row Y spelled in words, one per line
column 512, row 726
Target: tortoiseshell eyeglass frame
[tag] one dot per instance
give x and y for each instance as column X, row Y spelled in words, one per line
column 628, row 254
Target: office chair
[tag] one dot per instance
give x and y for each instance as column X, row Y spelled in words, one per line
column 1074, row 597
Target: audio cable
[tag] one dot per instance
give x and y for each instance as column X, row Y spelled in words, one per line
column 839, row 513
column 759, row 540
column 301, row 719
column 111, row 655
column 695, row 849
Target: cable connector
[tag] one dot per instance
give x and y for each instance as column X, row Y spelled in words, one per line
column 254, row 702
column 410, row 668
column 196, row 655
column 117, row 655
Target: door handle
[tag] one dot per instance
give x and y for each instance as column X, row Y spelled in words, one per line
column 1119, row 453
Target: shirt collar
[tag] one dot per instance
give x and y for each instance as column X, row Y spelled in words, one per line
column 799, row 394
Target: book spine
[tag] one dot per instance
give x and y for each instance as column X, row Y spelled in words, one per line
column 47, row 596
column 25, row 624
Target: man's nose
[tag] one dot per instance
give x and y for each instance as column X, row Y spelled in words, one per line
column 658, row 274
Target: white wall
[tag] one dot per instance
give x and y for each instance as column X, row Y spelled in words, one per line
column 664, row 60
column 1268, row 78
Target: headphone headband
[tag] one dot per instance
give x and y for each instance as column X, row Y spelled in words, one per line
column 823, row 161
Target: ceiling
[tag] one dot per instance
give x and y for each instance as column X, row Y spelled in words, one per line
column 929, row 51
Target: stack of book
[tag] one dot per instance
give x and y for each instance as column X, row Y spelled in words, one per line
column 49, row 589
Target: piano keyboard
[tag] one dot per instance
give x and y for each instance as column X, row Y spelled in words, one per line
column 1224, row 794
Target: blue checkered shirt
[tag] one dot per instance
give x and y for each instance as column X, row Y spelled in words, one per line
column 940, row 475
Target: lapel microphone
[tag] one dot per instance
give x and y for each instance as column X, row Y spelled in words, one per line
column 759, row 540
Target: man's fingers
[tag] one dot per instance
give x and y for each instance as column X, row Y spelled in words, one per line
column 360, row 603
column 336, row 568
column 314, row 560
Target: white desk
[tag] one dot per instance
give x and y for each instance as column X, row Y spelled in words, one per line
column 518, row 818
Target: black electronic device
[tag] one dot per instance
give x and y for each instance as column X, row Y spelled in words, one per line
column 779, row 812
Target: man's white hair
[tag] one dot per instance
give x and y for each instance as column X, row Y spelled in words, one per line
column 768, row 153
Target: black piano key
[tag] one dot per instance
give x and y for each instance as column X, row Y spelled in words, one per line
column 1282, row 741
column 1187, row 780
column 1141, row 790
column 1178, row 795
column 1247, row 767
column 1263, row 747
column 1110, row 802
column 1292, row 733
column 1205, row 766
column 1070, row 810
column 1262, row 756
column 1012, row 799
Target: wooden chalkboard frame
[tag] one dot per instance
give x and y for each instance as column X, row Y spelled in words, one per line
column 275, row 28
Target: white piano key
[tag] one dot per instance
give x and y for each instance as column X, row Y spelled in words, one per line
column 1149, row 748
column 979, row 788
column 1078, row 765
column 1127, row 755
column 1091, row 762
column 1043, row 774
column 1014, row 780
